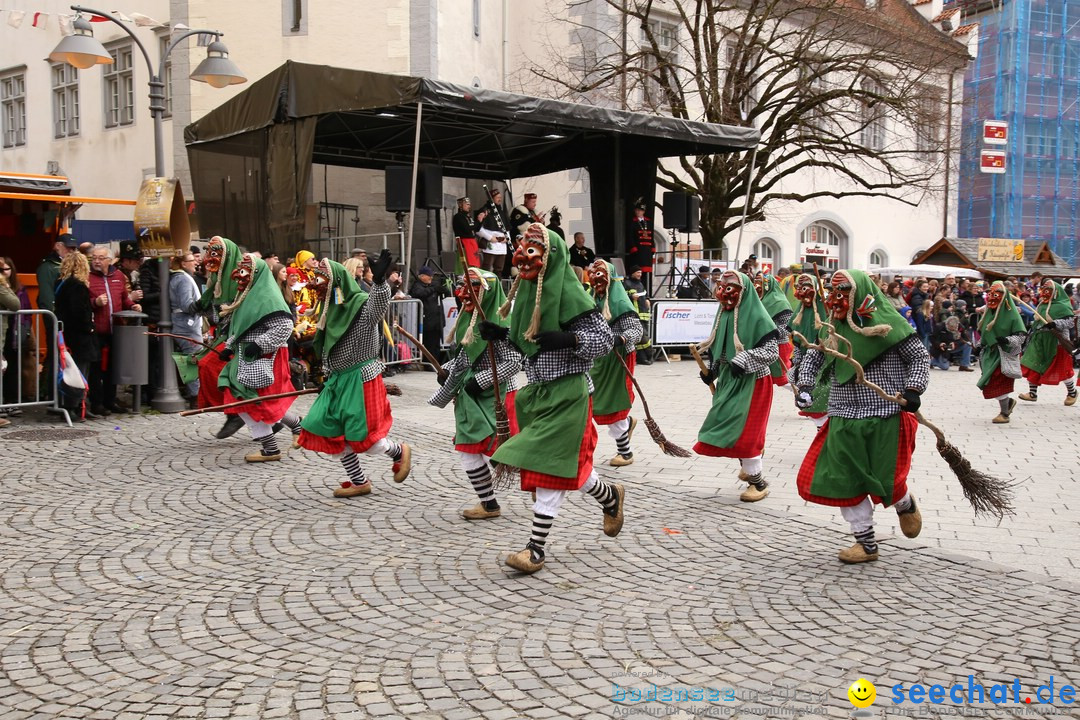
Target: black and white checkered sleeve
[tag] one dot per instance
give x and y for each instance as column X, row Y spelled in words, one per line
column 629, row 328
column 916, row 363
column 782, row 319
column 378, row 301
column 594, row 336
column 810, row 367
column 507, row 362
column 757, row 360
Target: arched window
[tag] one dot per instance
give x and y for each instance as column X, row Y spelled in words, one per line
column 768, row 253
column 878, row 259
column 823, row 243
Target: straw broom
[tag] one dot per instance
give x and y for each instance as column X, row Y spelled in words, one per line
column 986, row 494
column 666, row 446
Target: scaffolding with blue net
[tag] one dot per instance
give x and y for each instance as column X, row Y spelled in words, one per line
column 1027, row 73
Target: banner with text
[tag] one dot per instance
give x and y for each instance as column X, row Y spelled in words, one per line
column 682, row 322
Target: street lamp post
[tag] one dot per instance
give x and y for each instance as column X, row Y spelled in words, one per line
column 83, row 51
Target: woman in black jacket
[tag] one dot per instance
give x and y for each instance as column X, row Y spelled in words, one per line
column 74, row 311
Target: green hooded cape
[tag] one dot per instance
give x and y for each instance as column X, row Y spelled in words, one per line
column 994, row 325
column 1042, row 348
column 615, row 302
column 772, row 297
column 808, row 321
column 883, row 326
column 727, row 416
column 344, row 300
column 563, row 298
column 492, row 299
column 220, row 286
column 610, row 393
column 261, row 299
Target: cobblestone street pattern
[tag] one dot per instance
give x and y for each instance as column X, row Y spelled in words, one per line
column 148, row 572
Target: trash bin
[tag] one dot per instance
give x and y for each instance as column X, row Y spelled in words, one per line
column 130, row 353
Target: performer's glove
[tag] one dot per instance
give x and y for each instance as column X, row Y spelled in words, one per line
column 1004, row 344
column 803, row 399
column 442, row 376
column 708, row 377
column 473, row 388
column 251, row 352
column 555, row 340
column 490, row 331
column 914, row 402
column 380, row 267
column 225, row 354
column 736, row 369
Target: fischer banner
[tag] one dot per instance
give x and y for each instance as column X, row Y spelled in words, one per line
column 682, row 322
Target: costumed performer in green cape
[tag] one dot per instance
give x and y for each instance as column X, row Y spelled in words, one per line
column 352, row 412
column 1046, row 361
column 613, row 395
column 810, row 315
column 467, row 380
column 742, row 348
column 256, row 356
column 1001, row 334
column 556, row 325
column 779, row 309
column 862, row 454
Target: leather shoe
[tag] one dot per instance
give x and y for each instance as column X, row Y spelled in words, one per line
column 232, row 424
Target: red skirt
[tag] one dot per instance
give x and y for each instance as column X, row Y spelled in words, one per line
column 751, row 442
column 530, row 479
column 272, row 410
column 1060, row 369
column 998, row 385
column 210, row 367
column 487, row 446
column 786, row 350
column 378, row 417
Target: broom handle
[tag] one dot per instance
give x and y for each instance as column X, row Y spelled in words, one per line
column 701, row 364
column 640, row 392
column 253, row 401
column 180, row 337
column 423, row 350
column 860, row 377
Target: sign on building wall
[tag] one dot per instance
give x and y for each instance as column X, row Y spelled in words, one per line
column 995, row 132
column 1000, row 250
column 992, row 161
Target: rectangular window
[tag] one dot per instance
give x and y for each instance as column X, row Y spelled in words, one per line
column 873, row 115
column 928, row 120
column 119, row 84
column 742, row 85
column 666, row 35
column 163, row 46
column 814, row 87
column 65, row 87
column 1040, row 139
column 13, row 108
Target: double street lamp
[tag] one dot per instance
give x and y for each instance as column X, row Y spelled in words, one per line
column 83, row 51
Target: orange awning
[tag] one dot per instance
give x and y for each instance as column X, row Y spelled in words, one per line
column 65, row 199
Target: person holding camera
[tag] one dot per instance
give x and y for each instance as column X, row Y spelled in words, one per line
column 430, row 295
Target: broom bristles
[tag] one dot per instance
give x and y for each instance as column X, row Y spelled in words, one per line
column 392, row 389
column 987, row 494
column 666, row 446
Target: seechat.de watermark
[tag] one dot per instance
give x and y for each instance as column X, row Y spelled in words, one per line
column 1053, row 692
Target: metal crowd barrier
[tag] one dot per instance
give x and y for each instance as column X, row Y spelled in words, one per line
column 22, row 359
column 409, row 314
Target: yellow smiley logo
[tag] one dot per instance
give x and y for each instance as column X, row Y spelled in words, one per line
column 862, row 693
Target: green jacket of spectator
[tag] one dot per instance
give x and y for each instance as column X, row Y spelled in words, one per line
column 8, row 301
column 48, row 273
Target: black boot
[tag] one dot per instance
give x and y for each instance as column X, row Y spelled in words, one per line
column 232, row 424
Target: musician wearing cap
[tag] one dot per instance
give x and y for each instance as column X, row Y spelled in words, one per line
column 465, row 228
column 525, row 214
column 493, row 231
column 640, row 245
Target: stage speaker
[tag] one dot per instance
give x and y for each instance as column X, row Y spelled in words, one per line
column 398, row 183
column 675, row 210
column 429, row 194
column 693, row 214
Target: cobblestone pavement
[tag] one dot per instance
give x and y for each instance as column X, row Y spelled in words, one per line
column 146, row 571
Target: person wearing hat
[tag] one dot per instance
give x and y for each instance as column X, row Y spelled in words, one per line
column 862, row 454
column 1001, row 334
column 701, row 284
column 494, row 232
column 525, row 214
column 556, row 326
column 1046, row 361
column 430, row 295
column 465, row 231
column 640, row 243
column 749, row 267
column 305, row 299
column 635, row 290
column 48, row 272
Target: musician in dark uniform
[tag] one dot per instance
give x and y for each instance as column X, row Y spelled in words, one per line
column 493, row 231
column 640, row 246
column 465, row 231
column 524, row 215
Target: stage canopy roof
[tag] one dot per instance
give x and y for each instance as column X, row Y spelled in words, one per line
column 300, row 113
